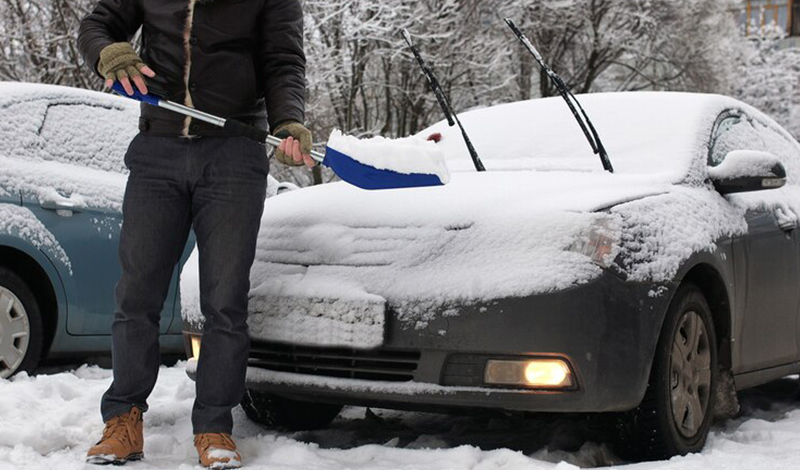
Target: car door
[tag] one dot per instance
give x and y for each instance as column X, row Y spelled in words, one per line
column 88, row 232
column 768, row 274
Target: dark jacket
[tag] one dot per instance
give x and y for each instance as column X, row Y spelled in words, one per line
column 239, row 59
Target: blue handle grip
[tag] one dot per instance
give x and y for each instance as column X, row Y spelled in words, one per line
column 148, row 98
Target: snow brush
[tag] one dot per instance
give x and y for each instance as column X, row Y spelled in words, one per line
column 394, row 173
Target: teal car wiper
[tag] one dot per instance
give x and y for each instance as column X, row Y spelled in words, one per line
column 582, row 118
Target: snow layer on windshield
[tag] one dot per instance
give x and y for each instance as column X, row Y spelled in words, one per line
column 408, row 155
column 20, row 222
column 658, row 134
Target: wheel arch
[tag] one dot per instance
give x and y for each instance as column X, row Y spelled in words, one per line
column 710, row 281
column 35, row 276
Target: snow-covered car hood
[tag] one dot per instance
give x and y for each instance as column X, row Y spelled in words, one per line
column 331, row 258
column 482, row 236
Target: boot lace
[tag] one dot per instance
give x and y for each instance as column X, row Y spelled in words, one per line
column 208, row 441
column 121, row 429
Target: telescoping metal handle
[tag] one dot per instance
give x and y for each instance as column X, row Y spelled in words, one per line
column 236, row 127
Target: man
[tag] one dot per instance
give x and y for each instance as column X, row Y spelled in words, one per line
column 239, row 59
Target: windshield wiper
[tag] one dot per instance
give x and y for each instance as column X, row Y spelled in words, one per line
column 587, row 127
column 452, row 118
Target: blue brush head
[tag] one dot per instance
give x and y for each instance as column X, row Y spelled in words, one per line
column 368, row 177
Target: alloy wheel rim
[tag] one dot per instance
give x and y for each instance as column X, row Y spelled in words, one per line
column 15, row 332
column 690, row 374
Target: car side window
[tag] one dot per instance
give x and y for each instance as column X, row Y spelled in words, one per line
column 734, row 131
column 87, row 135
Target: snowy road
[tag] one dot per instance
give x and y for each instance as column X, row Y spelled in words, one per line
column 48, row 422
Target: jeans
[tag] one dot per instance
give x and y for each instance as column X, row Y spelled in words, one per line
column 217, row 186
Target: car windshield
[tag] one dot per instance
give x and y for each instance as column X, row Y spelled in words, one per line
column 647, row 133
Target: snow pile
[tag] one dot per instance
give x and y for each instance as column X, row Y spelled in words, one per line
column 20, row 222
column 231, row 456
column 410, row 155
column 743, row 163
column 50, row 421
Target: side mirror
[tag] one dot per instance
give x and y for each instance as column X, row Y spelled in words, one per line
column 747, row 170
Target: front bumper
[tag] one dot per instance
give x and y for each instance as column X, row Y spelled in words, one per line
column 606, row 329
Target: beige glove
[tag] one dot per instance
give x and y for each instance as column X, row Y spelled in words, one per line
column 118, row 61
column 300, row 133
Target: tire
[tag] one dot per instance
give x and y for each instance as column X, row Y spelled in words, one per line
column 658, row 429
column 281, row 413
column 21, row 332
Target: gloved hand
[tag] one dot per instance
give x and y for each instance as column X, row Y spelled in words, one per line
column 119, row 62
column 295, row 149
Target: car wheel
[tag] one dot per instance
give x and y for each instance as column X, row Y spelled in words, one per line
column 278, row 412
column 677, row 410
column 20, row 326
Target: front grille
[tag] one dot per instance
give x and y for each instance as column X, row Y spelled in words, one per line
column 377, row 364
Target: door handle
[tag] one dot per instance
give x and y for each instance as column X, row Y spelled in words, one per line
column 61, row 205
column 788, row 225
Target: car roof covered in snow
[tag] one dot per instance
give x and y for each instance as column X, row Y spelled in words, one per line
column 15, row 92
column 657, row 133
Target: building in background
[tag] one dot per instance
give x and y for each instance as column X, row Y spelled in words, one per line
column 756, row 15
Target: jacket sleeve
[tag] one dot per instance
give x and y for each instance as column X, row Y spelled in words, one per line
column 282, row 61
column 111, row 21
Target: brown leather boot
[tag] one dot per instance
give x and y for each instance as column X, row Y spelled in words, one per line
column 217, row 451
column 122, row 440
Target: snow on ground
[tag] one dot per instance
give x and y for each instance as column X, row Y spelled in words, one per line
column 50, row 420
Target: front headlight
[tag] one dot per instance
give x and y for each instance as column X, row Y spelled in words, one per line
column 600, row 242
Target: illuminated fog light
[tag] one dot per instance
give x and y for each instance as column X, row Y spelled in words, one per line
column 549, row 373
column 195, row 347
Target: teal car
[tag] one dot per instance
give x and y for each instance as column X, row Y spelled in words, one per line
column 62, row 180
